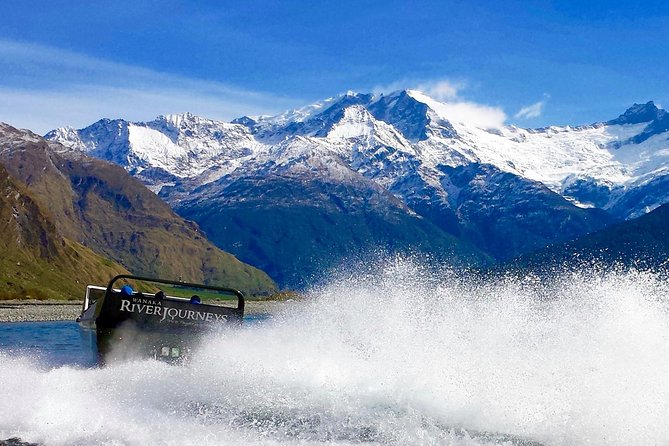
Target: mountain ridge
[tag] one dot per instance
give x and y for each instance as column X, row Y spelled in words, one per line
column 451, row 142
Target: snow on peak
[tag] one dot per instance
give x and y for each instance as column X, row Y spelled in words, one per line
column 357, row 121
column 67, row 136
column 359, row 125
column 177, row 119
column 297, row 115
column 308, row 112
column 180, row 122
column 154, row 147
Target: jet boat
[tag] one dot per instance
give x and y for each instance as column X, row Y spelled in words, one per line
column 137, row 316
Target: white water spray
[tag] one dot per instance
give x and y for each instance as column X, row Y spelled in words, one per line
column 400, row 356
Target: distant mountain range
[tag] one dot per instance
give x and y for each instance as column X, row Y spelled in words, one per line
column 71, row 219
column 295, row 193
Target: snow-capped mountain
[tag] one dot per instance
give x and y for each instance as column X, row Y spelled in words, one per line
column 507, row 190
column 163, row 150
column 593, row 165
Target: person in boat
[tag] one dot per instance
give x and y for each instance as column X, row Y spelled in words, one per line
column 195, row 299
column 127, row 290
column 160, row 295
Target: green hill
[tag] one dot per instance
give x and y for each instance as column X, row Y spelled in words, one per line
column 99, row 206
column 642, row 242
column 36, row 261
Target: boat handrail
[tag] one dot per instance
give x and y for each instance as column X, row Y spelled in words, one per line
column 237, row 293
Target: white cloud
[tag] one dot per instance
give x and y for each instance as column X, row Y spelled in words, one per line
column 43, row 87
column 441, row 90
column 465, row 112
column 445, row 97
column 482, row 116
column 531, row 111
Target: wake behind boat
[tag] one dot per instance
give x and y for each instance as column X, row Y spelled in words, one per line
column 147, row 317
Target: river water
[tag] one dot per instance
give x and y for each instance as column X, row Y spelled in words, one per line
column 399, row 355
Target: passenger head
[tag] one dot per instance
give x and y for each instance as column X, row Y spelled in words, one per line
column 160, row 295
column 127, row 290
column 195, row 299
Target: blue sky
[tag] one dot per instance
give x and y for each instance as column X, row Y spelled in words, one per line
column 538, row 62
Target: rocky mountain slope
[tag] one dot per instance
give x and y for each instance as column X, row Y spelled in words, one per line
column 499, row 191
column 98, row 205
column 296, row 230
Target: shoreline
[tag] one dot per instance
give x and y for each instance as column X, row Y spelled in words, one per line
column 39, row 311
column 68, row 310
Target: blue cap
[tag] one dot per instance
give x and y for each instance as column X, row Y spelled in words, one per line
column 127, row 290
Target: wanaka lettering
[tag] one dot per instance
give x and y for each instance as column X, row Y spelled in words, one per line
column 171, row 313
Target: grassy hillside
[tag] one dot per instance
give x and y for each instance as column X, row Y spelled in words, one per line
column 98, row 205
column 36, row 261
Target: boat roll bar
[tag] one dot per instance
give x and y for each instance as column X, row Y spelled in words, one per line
column 237, row 293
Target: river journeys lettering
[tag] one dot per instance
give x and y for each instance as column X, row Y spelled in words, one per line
column 171, row 313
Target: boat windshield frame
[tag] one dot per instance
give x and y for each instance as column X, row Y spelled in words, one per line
column 111, row 290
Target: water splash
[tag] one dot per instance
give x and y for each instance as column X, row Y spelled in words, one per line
column 397, row 354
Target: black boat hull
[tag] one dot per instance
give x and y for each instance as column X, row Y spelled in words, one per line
column 141, row 325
